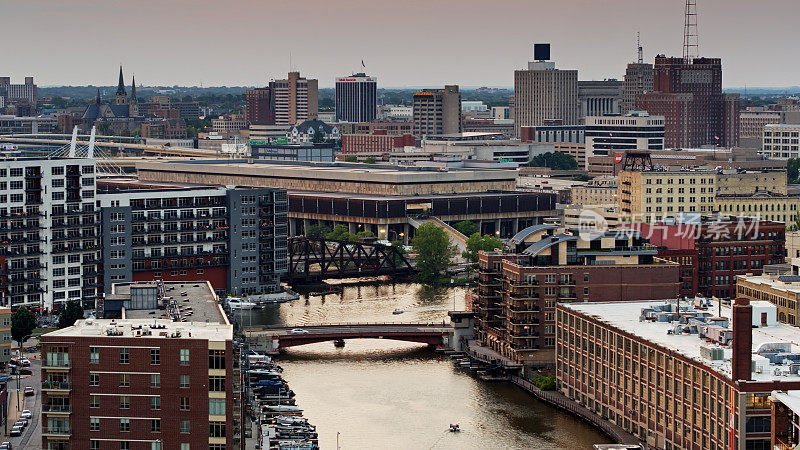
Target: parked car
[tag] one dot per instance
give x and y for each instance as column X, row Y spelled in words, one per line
column 15, row 431
column 22, row 423
column 5, row 446
column 26, row 414
column 25, row 362
column 29, row 391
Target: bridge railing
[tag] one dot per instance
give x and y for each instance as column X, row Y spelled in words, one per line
column 346, row 324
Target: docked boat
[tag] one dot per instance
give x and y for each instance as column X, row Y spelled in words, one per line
column 237, row 303
column 398, row 311
column 454, row 428
column 282, row 408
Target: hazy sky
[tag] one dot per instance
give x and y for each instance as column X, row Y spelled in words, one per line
column 403, row 42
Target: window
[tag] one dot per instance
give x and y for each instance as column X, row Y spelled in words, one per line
column 184, row 446
column 216, row 384
column 94, row 401
column 94, row 445
column 124, row 380
column 155, row 380
column 94, row 355
column 124, row 402
column 184, row 404
column 184, row 426
column 216, row 359
column 155, row 356
column 216, row 429
column 184, row 381
column 125, row 425
column 184, row 356
column 155, row 425
column 94, row 379
column 156, row 445
column 124, row 356
column 216, row 406
column 124, row 445
column 155, row 403
column 94, row 424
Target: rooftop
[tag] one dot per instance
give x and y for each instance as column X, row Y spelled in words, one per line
column 776, row 346
column 787, row 283
column 185, row 302
column 151, row 328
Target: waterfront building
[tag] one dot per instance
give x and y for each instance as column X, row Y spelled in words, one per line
column 599, row 98
column 437, row 111
column 517, row 293
column 296, row 99
column 678, row 375
column 356, row 98
column 139, row 381
column 636, row 130
column 714, row 250
column 236, row 238
column 543, row 93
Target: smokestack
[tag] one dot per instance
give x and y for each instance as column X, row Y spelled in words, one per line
column 742, row 359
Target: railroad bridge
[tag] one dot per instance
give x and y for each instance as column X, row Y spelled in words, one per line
column 276, row 338
column 319, row 258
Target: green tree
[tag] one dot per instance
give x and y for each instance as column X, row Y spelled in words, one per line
column 401, row 250
column 369, row 160
column 555, row 161
column 317, row 137
column 466, row 227
column 23, row 322
column 434, row 252
column 341, row 233
column 71, row 312
column 793, row 170
column 351, row 158
column 365, row 234
column 582, row 178
column 317, row 231
column 476, row 243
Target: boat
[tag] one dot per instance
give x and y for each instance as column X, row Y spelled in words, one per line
column 454, row 428
column 240, row 304
column 398, row 311
column 282, row 408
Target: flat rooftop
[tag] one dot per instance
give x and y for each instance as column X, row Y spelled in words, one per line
column 199, row 304
column 624, row 316
column 786, row 283
column 157, row 328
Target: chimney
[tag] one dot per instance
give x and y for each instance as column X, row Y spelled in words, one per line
column 742, row 359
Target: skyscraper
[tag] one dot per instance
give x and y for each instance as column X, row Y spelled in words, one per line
column 437, row 111
column 295, row 99
column 260, row 106
column 543, row 93
column 638, row 80
column 356, row 98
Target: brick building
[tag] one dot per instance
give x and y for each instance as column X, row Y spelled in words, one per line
column 717, row 249
column 139, row 384
column 380, row 142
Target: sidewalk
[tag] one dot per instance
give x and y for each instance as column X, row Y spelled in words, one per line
column 13, row 414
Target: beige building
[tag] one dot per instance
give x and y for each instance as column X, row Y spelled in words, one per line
column 751, row 123
column 781, row 141
column 598, row 191
column 5, row 336
column 793, row 244
column 543, row 93
column 229, row 123
column 656, row 195
column 574, row 149
column 437, row 111
column 638, row 80
column 296, row 99
column 595, row 217
column 777, row 290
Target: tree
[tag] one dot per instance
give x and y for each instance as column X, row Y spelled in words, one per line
column 434, row 251
column 555, row 161
column 477, row 243
column 466, row 227
column 369, row 160
column 317, row 137
column 365, row 234
column 317, row 231
column 401, row 250
column 793, row 170
column 341, row 233
column 23, row 322
column 351, row 158
column 71, row 312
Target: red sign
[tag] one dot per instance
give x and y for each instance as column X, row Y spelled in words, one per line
column 617, row 158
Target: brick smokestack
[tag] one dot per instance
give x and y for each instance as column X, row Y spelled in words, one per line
column 742, row 359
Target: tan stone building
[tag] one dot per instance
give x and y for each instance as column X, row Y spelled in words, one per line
column 778, row 290
column 437, row 111
column 599, row 191
column 543, row 93
column 655, row 195
column 295, row 99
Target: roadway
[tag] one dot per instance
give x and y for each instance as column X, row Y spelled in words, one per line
column 31, row 438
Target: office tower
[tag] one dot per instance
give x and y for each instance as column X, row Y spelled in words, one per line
column 356, row 98
column 605, row 135
column 437, row 111
column 638, row 80
column 260, row 106
column 543, row 93
column 599, row 98
column 25, row 91
column 295, row 99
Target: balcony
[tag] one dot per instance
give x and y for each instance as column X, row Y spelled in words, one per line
column 57, row 409
column 62, row 386
column 56, row 431
column 55, row 363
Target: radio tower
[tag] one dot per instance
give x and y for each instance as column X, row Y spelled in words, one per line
column 691, row 47
column 639, row 47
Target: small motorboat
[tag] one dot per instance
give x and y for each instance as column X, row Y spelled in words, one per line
column 240, row 304
column 454, row 428
column 398, row 311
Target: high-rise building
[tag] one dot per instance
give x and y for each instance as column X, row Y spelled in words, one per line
column 694, row 88
column 599, row 98
column 638, row 80
column 437, row 111
column 637, row 130
column 295, row 100
column 260, row 106
column 50, row 229
column 543, row 93
column 356, row 98
column 141, row 380
column 25, row 91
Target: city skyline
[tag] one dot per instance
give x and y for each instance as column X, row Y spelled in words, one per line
column 254, row 48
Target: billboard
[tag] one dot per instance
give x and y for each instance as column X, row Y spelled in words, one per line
column 541, row 52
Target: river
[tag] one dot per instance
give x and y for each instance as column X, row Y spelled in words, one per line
column 377, row 394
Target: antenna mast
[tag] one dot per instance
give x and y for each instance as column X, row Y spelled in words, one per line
column 639, row 47
column 691, row 46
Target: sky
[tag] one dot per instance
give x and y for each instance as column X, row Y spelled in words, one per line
column 402, row 42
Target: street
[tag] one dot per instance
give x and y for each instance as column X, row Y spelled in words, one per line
column 32, row 436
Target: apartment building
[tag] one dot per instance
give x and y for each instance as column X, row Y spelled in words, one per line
column 295, row 99
column 141, row 383
column 688, row 375
column 50, row 227
column 234, row 237
column 437, row 111
column 516, row 295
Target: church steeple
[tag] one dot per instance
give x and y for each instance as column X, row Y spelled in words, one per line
column 122, row 96
column 97, row 100
column 133, row 107
column 133, row 89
